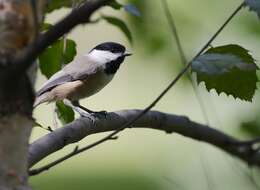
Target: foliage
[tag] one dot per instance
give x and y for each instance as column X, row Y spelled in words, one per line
column 51, row 61
column 65, row 113
column 57, row 4
column 229, row 69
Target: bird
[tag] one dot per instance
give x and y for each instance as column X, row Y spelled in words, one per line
column 83, row 77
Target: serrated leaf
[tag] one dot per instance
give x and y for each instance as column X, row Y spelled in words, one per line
column 234, row 49
column 121, row 25
column 53, row 57
column 132, row 9
column 65, row 113
column 254, row 5
column 229, row 69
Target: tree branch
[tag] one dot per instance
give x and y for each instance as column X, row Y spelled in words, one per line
column 169, row 123
column 78, row 16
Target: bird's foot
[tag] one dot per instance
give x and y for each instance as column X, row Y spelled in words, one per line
column 92, row 114
column 84, row 113
column 99, row 114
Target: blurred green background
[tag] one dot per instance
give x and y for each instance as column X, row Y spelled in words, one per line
column 146, row 159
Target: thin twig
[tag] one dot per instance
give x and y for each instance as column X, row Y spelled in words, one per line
column 42, row 127
column 148, row 108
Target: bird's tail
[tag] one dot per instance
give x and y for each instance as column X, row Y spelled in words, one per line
column 41, row 99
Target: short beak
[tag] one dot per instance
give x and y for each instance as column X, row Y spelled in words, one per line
column 127, row 54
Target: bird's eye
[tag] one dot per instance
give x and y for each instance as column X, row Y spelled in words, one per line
column 113, row 51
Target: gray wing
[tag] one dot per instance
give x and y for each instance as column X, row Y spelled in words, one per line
column 79, row 69
column 82, row 67
column 57, row 79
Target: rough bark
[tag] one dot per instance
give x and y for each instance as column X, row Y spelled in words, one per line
column 17, row 30
column 17, row 26
column 14, row 134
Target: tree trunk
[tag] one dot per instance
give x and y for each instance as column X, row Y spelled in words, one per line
column 16, row 99
column 18, row 28
column 14, row 134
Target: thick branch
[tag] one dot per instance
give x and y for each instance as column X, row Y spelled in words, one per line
column 169, row 123
column 78, row 16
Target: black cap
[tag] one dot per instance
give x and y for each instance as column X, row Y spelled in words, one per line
column 110, row 46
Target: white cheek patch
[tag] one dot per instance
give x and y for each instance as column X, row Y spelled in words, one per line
column 103, row 57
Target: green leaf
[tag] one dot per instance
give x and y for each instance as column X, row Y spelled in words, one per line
column 229, row 69
column 70, row 51
column 46, row 26
column 50, row 59
column 57, row 4
column 121, row 25
column 53, row 57
column 65, row 113
column 254, row 5
column 115, row 5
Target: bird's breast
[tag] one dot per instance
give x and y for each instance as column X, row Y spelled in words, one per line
column 91, row 85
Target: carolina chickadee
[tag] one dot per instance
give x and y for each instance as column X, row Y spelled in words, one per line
column 84, row 76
